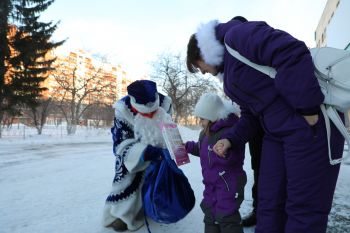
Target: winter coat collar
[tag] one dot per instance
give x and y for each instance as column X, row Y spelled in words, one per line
column 223, row 123
column 212, row 51
column 210, row 38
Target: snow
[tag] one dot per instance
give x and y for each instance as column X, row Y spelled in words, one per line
column 59, row 184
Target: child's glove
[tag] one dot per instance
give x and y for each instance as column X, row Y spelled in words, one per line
column 152, row 153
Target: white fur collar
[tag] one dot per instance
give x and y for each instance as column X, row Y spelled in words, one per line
column 166, row 104
column 212, row 51
column 123, row 113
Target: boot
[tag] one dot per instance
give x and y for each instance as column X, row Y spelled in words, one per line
column 118, row 225
column 249, row 220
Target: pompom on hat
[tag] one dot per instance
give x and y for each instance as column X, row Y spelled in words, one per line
column 144, row 96
column 211, row 107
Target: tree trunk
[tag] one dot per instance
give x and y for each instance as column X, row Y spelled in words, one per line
column 71, row 128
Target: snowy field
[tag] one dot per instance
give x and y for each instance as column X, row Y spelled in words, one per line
column 59, row 184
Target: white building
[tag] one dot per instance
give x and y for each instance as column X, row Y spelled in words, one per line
column 333, row 29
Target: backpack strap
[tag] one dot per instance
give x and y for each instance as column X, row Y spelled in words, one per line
column 269, row 71
column 328, row 111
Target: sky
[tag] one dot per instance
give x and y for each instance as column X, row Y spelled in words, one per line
column 133, row 33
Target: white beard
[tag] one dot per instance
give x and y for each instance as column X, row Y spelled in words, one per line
column 148, row 130
column 220, row 76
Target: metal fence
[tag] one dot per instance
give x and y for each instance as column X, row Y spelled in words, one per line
column 23, row 131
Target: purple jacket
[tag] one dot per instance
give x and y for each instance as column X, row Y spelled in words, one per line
column 220, row 175
column 295, row 89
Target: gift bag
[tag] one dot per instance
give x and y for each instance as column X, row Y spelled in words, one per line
column 167, row 194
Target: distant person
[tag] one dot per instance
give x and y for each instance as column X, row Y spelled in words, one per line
column 137, row 140
column 223, row 176
column 296, row 180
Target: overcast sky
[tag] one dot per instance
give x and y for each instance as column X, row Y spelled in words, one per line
column 133, row 33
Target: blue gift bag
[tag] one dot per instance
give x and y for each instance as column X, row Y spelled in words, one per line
column 167, row 194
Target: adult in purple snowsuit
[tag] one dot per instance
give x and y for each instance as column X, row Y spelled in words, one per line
column 297, row 182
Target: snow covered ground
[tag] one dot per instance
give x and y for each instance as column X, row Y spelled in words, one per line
column 59, row 185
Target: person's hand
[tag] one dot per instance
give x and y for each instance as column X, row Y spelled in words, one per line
column 152, row 153
column 311, row 120
column 221, row 147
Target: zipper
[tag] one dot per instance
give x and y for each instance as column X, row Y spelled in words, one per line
column 337, row 61
column 209, row 150
column 221, row 174
column 330, row 67
column 247, row 93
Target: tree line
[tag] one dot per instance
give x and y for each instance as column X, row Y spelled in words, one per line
column 26, row 61
column 24, row 44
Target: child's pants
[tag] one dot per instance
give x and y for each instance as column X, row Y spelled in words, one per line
column 221, row 224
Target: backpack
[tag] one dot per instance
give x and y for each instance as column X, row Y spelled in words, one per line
column 166, row 193
column 332, row 69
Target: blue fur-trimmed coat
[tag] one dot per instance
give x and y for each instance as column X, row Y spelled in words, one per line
column 125, row 201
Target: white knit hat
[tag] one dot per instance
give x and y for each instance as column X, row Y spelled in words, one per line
column 211, row 107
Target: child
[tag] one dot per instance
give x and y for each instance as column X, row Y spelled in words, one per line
column 137, row 140
column 223, row 177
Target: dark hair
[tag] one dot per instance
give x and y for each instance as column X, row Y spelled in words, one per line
column 207, row 129
column 193, row 54
column 240, row 18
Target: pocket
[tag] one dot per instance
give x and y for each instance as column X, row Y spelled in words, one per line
column 305, row 121
column 313, row 129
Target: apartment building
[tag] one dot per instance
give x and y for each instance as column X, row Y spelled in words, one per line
column 333, row 28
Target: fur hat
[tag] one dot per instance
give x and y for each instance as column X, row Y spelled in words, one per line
column 211, row 107
column 144, row 96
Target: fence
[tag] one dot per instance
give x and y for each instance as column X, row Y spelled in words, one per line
column 23, row 131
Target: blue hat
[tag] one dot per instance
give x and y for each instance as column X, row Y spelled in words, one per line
column 144, row 96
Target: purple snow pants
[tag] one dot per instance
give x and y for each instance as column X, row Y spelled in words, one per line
column 296, row 182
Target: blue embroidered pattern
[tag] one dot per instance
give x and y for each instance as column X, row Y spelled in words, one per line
column 120, row 169
column 120, row 131
column 132, row 188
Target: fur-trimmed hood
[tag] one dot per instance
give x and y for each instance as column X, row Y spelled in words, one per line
column 210, row 37
column 212, row 50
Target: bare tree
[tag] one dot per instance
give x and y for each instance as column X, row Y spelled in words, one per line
column 38, row 114
column 182, row 87
column 77, row 91
column 6, row 122
column 100, row 114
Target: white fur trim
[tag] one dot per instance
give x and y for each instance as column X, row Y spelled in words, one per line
column 232, row 107
column 212, row 51
column 123, row 113
column 129, row 209
column 166, row 104
column 145, row 108
column 132, row 159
